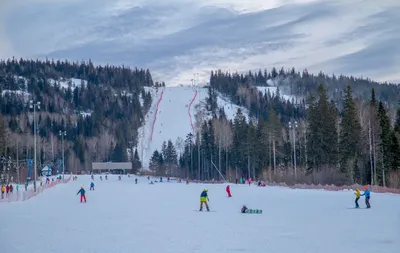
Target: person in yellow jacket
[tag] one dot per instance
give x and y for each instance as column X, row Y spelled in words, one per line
column 358, row 194
column 3, row 189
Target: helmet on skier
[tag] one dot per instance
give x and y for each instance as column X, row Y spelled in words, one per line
column 205, row 190
column 365, row 188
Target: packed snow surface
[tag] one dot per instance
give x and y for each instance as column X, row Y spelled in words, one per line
column 121, row 216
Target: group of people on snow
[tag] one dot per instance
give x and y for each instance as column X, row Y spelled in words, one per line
column 367, row 195
column 6, row 190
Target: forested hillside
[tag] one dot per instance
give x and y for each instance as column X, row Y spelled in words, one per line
column 333, row 134
column 97, row 107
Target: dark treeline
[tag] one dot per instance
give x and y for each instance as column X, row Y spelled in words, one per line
column 324, row 137
column 100, row 113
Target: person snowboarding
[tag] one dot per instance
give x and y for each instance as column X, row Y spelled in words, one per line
column 82, row 192
column 358, row 194
column 228, row 191
column 91, row 186
column 203, row 200
column 367, row 195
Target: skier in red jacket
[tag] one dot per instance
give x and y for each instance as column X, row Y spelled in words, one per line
column 228, row 190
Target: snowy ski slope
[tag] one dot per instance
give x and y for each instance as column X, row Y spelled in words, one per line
column 173, row 115
column 122, row 217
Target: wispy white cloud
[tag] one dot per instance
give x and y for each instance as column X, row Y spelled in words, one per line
column 176, row 38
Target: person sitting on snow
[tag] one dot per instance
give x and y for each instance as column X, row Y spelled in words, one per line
column 244, row 208
column 203, row 200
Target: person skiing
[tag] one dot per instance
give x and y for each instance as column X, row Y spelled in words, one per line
column 203, row 200
column 135, row 180
column 101, row 178
column 367, row 195
column 82, row 192
column 228, row 191
column 358, row 194
column 91, row 186
column 7, row 190
column 244, row 208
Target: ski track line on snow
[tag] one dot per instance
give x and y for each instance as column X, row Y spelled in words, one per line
column 190, row 115
column 155, row 116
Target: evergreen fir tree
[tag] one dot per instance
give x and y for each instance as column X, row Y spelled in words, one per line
column 397, row 122
column 385, row 132
column 136, row 164
column 322, row 134
column 350, row 136
column 154, row 164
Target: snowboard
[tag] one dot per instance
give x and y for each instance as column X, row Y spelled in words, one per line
column 255, row 211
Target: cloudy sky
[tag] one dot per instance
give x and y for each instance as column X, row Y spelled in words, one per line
column 176, row 38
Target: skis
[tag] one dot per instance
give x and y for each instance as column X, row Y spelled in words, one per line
column 255, row 211
column 204, row 211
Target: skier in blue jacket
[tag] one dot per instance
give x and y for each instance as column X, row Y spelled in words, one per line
column 91, row 186
column 82, row 192
column 203, row 200
column 367, row 195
